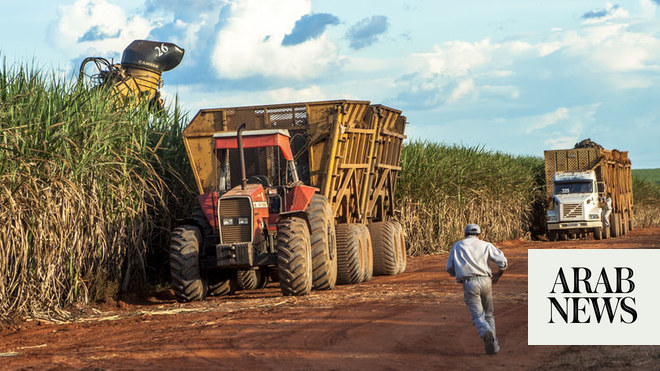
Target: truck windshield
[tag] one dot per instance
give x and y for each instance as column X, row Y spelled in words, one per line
column 567, row 188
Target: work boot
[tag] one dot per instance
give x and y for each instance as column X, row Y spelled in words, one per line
column 489, row 342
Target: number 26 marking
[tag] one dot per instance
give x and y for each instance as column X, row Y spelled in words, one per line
column 162, row 49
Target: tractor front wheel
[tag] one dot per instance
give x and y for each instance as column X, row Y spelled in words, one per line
column 184, row 264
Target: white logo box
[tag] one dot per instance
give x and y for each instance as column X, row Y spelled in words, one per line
column 642, row 304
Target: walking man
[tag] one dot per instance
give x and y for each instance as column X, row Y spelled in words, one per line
column 468, row 262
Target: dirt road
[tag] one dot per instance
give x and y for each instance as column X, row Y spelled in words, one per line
column 413, row 321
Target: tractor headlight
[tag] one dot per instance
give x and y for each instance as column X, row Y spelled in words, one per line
column 593, row 216
column 243, row 221
column 228, row 221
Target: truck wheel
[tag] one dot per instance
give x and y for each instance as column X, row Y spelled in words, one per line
column 403, row 252
column 630, row 223
column 607, row 232
column 624, row 224
column 386, row 257
column 247, row 279
column 598, row 233
column 615, row 225
column 324, row 244
column 294, row 257
column 184, row 264
column 350, row 254
column 563, row 236
column 552, row 236
column 367, row 253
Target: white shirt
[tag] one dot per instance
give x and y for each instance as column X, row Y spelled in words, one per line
column 470, row 256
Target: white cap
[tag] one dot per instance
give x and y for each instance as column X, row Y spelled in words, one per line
column 472, row 229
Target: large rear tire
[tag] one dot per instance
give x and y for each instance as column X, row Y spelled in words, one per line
column 367, row 253
column 403, row 252
column 350, row 254
column 184, row 264
column 324, row 244
column 294, row 257
column 386, row 257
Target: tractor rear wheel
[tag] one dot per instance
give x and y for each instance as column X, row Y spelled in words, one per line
column 350, row 254
column 324, row 244
column 367, row 253
column 403, row 252
column 294, row 257
column 184, row 263
column 386, row 257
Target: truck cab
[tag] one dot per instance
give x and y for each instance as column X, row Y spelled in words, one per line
column 575, row 206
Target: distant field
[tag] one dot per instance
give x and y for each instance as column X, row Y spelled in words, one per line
column 652, row 175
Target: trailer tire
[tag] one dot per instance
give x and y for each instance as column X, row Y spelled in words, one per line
column 607, row 232
column 350, row 254
column 324, row 243
column 184, row 264
column 630, row 223
column 403, row 252
column 367, row 253
column 386, row 257
column 624, row 224
column 247, row 279
column 294, row 257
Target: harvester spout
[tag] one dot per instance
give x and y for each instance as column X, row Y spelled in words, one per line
column 241, row 154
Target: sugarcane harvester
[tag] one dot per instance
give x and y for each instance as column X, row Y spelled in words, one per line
column 138, row 77
column 299, row 193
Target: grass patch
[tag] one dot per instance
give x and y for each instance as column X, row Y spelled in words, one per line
column 87, row 188
column 652, row 175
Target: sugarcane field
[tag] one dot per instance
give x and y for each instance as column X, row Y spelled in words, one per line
column 298, row 230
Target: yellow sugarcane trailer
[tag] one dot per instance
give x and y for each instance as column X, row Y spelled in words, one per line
column 347, row 150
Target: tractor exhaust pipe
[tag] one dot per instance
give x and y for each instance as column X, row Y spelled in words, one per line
column 241, row 154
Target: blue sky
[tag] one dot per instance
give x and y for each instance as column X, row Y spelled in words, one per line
column 515, row 76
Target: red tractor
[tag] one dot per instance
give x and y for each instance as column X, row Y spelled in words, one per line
column 267, row 224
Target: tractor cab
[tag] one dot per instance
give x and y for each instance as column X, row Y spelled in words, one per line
column 276, row 175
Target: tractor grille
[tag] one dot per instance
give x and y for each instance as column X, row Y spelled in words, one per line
column 571, row 211
column 235, row 208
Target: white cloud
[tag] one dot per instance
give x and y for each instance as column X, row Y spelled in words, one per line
column 97, row 26
column 611, row 12
column 561, row 142
column 463, row 89
column 547, row 119
column 250, row 42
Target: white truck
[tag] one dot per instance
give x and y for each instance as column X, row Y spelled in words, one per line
column 577, row 182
